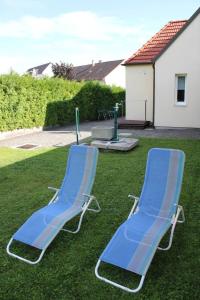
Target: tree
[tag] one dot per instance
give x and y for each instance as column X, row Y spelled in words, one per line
column 63, row 70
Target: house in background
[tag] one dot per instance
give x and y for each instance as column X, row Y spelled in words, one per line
column 41, row 70
column 109, row 72
column 163, row 77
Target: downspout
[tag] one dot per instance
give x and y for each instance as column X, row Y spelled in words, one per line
column 153, row 94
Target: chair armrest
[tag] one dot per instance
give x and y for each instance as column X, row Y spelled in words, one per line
column 136, row 200
column 88, row 196
column 133, row 197
column 53, row 189
column 54, row 199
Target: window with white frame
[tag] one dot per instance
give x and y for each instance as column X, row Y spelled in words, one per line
column 180, row 89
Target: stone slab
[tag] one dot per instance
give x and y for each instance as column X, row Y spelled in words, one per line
column 124, row 144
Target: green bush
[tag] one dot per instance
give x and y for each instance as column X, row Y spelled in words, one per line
column 26, row 102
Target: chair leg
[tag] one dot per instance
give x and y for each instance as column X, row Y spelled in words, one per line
column 176, row 220
column 116, row 284
column 82, row 214
column 79, row 224
column 32, row 262
column 98, row 207
column 182, row 220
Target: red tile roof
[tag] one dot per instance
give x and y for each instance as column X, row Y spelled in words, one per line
column 150, row 50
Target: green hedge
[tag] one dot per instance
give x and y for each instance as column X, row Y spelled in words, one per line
column 26, row 102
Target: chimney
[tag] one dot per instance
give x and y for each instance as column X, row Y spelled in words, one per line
column 93, row 63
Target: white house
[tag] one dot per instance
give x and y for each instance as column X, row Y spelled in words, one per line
column 41, row 70
column 163, row 77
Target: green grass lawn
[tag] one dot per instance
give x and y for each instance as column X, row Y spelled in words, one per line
column 67, row 269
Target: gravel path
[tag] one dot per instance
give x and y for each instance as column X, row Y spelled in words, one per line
column 66, row 135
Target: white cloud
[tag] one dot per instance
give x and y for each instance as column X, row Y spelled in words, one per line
column 76, row 37
column 26, row 27
column 82, row 25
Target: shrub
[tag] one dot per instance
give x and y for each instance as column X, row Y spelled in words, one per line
column 27, row 102
column 63, row 70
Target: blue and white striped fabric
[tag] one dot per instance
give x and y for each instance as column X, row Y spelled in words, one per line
column 136, row 240
column 42, row 227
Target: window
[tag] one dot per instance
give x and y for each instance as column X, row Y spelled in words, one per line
column 180, row 89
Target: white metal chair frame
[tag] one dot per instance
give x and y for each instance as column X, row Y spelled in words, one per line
column 175, row 219
column 85, row 207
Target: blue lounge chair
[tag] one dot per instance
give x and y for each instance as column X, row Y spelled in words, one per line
column 135, row 242
column 72, row 199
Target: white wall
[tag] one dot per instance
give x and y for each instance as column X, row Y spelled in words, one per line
column 116, row 77
column 139, row 87
column 182, row 57
column 48, row 71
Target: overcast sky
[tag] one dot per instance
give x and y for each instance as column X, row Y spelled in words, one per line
column 34, row 32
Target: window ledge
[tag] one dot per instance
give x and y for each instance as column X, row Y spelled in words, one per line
column 180, row 104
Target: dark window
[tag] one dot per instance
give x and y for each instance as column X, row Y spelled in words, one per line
column 180, row 89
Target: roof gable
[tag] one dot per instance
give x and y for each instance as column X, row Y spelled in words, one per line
column 40, row 69
column 160, row 42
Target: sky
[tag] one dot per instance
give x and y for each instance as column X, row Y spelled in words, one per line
column 34, row 32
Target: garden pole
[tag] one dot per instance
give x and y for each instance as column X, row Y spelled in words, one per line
column 115, row 137
column 122, row 104
column 77, row 124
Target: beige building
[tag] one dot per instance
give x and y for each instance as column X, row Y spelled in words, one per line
column 163, row 77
